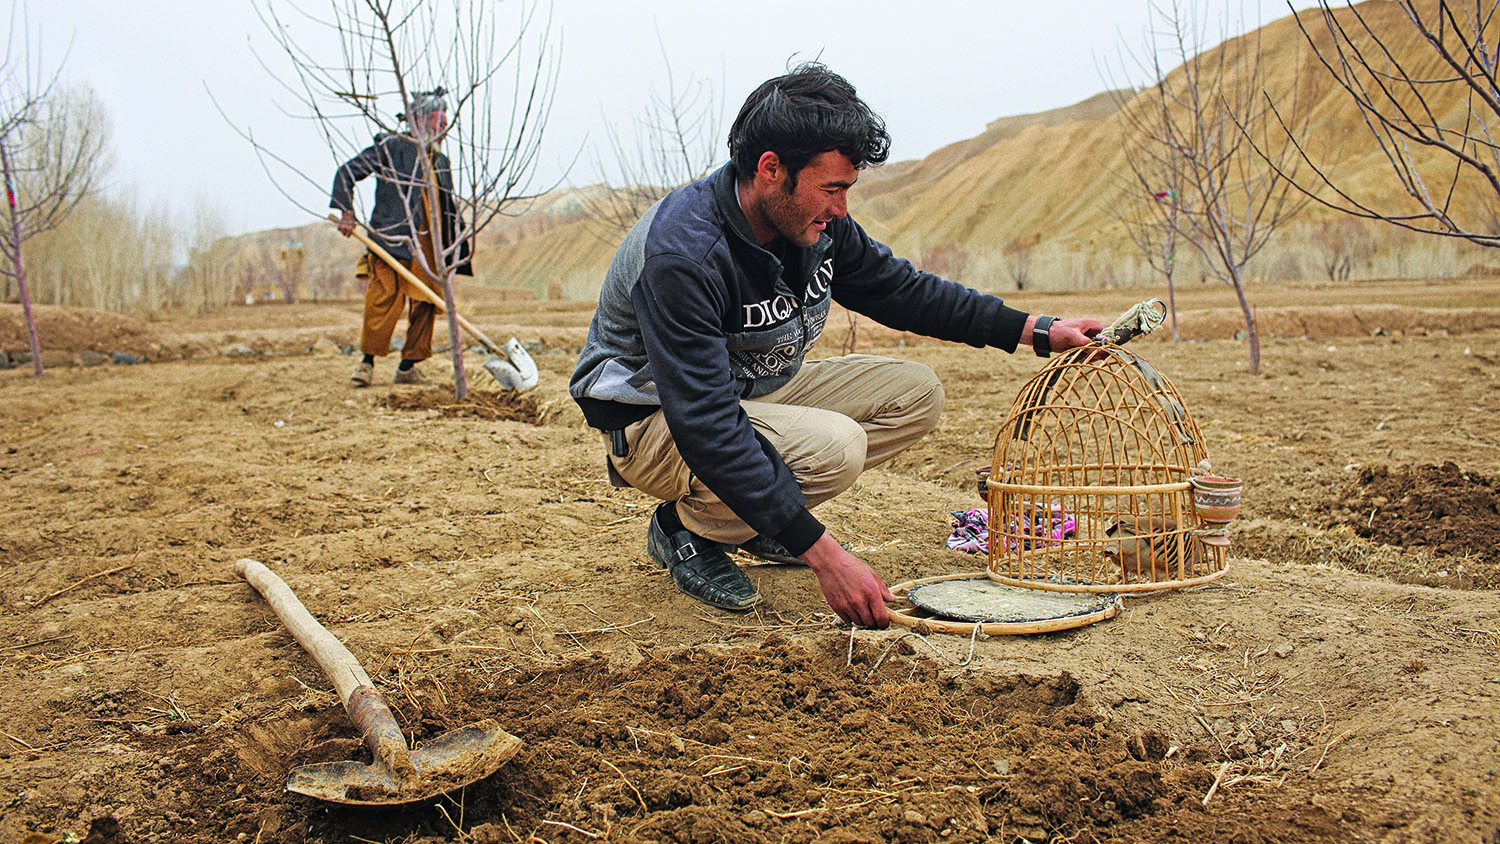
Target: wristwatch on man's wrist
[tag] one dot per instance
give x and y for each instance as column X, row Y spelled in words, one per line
column 1041, row 336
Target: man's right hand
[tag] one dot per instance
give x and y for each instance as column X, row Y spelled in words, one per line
column 346, row 223
column 849, row 586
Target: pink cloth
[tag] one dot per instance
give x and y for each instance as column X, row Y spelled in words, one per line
column 971, row 529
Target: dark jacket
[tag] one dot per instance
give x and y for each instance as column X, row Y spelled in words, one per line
column 396, row 163
column 695, row 316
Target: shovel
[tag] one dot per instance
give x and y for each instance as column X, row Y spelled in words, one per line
column 511, row 364
column 398, row 773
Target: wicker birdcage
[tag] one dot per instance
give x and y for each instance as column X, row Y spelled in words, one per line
column 1089, row 489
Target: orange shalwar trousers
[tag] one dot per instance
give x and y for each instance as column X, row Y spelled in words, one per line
column 386, row 295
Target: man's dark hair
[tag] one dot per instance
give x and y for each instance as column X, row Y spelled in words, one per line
column 810, row 111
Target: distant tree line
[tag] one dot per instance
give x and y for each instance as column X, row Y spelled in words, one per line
column 111, row 252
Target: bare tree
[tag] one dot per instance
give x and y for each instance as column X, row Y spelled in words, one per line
column 1342, row 243
column 1151, row 207
column 1155, row 227
column 1208, row 118
column 501, row 81
column 291, row 270
column 208, row 280
column 1429, row 97
column 1018, row 260
column 50, row 153
column 111, row 253
column 675, row 140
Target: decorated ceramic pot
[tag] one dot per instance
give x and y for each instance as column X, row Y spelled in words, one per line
column 1217, row 499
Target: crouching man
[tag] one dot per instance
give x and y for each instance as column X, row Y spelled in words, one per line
column 694, row 365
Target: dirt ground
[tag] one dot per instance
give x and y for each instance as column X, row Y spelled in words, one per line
column 1339, row 683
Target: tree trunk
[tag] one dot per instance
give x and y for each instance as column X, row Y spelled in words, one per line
column 1252, row 332
column 460, row 378
column 1169, row 262
column 15, row 233
column 1172, row 307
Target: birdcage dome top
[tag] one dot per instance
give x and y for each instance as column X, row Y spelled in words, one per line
column 1095, row 416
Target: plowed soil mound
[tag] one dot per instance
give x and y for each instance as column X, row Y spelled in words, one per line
column 784, row 742
column 76, row 330
column 494, row 406
column 1452, row 511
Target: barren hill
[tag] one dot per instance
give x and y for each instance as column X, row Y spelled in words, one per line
column 1038, row 196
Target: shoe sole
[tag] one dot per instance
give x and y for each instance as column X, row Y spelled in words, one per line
column 723, row 605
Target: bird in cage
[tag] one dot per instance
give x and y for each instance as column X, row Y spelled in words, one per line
column 1146, row 548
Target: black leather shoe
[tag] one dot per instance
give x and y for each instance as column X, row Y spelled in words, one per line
column 700, row 568
column 768, row 549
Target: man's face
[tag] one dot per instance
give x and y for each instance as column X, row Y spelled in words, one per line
column 801, row 213
column 430, row 126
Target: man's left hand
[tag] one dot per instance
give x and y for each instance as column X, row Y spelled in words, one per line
column 1072, row 333
column 1066, row 334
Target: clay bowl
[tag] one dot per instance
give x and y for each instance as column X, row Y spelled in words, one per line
column 1216, row 499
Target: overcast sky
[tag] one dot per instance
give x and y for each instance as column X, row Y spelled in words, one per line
column 938, row 70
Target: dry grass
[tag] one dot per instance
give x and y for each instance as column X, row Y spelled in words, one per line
column 1341, row 550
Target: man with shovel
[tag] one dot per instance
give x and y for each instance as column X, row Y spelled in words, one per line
column 401, row 164
column 694, row 364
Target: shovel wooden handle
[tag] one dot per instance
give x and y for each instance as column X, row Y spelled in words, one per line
column 363, row 704
column 421, row 288
column 331, row 655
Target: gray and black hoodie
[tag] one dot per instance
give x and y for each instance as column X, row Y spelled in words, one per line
column 396, row 162
column 694, row 316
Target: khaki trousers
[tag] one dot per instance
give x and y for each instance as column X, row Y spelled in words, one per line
column 836, row 418
column 385, row 297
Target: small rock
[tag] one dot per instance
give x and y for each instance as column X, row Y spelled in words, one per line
column 1284, row 650
column 912, row 816
column 124, row 358
column 55, row 359
column 240, row 350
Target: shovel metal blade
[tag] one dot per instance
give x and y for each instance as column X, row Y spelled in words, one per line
column 451, row 761
column 515, row 370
